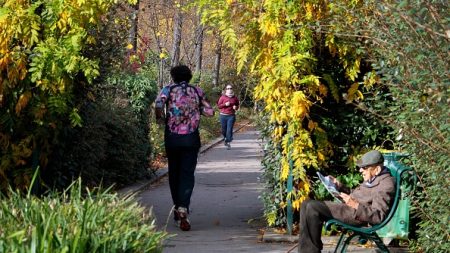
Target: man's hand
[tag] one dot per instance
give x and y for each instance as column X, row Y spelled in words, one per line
column 335, row 181
column 349, row 201
column 227, row 103
column 234, row 107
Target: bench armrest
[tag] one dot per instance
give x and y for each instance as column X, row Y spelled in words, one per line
column 366, row 230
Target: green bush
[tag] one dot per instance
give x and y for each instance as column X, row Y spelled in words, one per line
column 156, row 137
column 209, row 128
column 76, row 221
column 408, row 42
column 113, row 146
column 274, row 192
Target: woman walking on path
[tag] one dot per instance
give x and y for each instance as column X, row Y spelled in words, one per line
column 183, row 104
column 228, row 104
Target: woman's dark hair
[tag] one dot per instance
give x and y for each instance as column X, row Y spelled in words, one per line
column 180, row 73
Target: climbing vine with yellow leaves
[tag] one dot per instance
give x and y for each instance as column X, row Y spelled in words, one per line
column 42, row 64
column 286, row 43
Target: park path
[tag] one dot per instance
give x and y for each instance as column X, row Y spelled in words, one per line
column 227, row 215
column 226, row 212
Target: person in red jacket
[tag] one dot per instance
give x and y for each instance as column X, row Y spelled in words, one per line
column 228, row 104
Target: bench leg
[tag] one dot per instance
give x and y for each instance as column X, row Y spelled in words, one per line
column 341, row 239
column 380, row 244
column 342, row 245
column 347, row 242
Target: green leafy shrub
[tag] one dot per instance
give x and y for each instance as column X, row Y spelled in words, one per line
column 246, row 114
column 273, row 196
column 137, row 90
column 156, row 136
column 210, row 128
column 408, row 42
column 76, row 221
column 205, row 82
column 420, row 89
column 113, row 146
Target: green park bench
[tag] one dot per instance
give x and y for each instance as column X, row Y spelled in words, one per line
column 396, row 224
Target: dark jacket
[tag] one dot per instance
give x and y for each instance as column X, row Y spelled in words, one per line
column 374, row 200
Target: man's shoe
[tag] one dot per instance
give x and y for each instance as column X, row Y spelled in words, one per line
column 185, row 225
column 228, row 146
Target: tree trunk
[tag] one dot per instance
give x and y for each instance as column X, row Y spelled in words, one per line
column 132, row 39
column 155, row 27
column 218, row 56
column 178, row 22
column 199, row 47
column 161, row 73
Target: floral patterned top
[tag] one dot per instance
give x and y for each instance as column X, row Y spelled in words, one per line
column 184, row 105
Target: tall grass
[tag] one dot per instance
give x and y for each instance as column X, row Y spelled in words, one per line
column 76, row 221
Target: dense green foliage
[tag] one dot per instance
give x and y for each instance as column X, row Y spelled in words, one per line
column 113, row 146
column 44, row 75
column 93, row 221
column 408, row 42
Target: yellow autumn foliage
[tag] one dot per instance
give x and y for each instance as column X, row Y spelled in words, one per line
column 42, row 50
column 278, row 44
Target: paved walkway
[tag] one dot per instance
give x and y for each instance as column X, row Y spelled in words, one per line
column 227, row 215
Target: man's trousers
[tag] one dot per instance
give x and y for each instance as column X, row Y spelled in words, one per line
column 313, row 214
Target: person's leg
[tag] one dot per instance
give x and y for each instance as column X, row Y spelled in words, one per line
column 230, row 127
column 188, row 159
column 313, row 214
column 223, row 123
column 173, row 161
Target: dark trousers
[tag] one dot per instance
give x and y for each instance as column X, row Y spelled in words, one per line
column 313, row 214
column 182, row 162
column 227, row 122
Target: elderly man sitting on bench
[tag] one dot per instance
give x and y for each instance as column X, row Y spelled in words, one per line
column 368, row 204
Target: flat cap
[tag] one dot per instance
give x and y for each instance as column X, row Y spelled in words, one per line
column 370, row 158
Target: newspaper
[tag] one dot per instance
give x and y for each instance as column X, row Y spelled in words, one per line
column 330, row 186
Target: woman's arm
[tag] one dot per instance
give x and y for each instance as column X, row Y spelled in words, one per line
column 221, row 102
